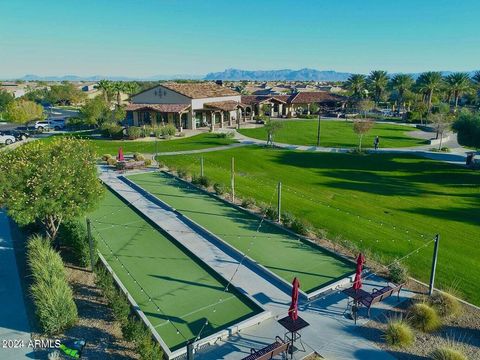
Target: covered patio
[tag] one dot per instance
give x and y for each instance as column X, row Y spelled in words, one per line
column 158, row 115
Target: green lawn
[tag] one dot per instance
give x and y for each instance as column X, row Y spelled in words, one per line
column 337, row 134
column 187, row 292
column 380, row 202
column 201, row 141
column 283, row 254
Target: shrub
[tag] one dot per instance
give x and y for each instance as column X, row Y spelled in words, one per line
column 201, row 181
column 134, row 132
column 138, row 157
column 168, row 131
column 74, row 235
column 398, row 333
column 112, row 130
column 132, row 329
column 398, row 273
column 105, row 157
column 52, row 295
column 148, row 162
column 287, row 219
column 181, row 134
column 447, row 353
column 300, row 226
column 270, row 212
column 226, row 135
column 305, row 116
column 112, row 161
column 423, row 317
column 220, row 189
column 120, row 306
column 248, row 202
column 182, row 173
column 445, row 304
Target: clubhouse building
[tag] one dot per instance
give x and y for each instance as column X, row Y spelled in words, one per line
column 208, row 105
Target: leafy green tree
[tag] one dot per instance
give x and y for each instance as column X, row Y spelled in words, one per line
column 428, row 83
column 355, row 84
column 467, row 127
column 272, row 127
column 23, row 111
column 119, row 114
column 457, row 84
column 5, row 99
column 49, row 182
column 65, row 94
column 402, row 84
column 362, row 127
column 94, row 112
column 377, row 82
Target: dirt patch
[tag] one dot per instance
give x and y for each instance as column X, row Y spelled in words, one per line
column 463, row 331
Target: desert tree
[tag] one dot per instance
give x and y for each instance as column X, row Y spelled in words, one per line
column 362, row 127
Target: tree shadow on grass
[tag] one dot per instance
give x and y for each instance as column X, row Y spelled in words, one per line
column 462, row 215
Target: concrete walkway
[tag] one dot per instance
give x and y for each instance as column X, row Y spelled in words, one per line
column 14, row 323
column 330, row 332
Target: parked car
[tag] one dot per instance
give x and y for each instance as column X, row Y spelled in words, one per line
column 57, row 124
column 19, row 135
column 41, row 126
column 6, row 139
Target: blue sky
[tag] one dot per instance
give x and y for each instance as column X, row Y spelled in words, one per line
column 151, row 37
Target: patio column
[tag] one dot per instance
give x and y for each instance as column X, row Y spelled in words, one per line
column 204, row 118
column 229, row 119
column 135, row 118
column 191, row 120
column 280, row 109
column 308, row 109
column 212, row 121
column 221, row 119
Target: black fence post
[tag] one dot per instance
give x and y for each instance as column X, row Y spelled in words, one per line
column 434, row 265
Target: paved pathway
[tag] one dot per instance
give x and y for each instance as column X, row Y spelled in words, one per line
column 330, row 332
column 14, row 323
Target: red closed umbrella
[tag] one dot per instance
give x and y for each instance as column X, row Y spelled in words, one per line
column 120, row 154
column 293, row 310
column 357, row 283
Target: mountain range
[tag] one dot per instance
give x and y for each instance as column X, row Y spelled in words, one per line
column 305, row 74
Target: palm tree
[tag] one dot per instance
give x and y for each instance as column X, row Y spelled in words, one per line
column 402, row 83
column 476, row 78
column 377, row 82
column 106, row 86
column 457, row 84
column 356, row 85
column 118, row 87
column 131, row 88
column 427, row 83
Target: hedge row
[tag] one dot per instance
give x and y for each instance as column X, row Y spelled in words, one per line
column 52, row 296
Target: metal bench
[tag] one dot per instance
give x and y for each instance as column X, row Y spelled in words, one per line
column 269, row 351
column 378, row 295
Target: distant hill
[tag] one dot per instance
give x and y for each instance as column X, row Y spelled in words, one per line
column 32, row 77
column 285, row 75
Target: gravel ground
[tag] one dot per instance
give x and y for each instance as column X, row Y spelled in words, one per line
column 463, row 331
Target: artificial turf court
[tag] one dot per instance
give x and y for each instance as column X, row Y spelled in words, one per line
column 337, row 134
column 282, row 253
column 386, row 204
column 186, row 291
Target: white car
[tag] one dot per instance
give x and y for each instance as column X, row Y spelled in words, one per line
column 42, row 125
column 6, row 139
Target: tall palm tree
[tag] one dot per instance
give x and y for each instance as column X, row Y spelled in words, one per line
column 118, row 88
column 401, row 83
column 427, row 83
column 476, row 78
column 356, row 85
column 131, row 88
column 377, row 81
column 106, row 86
column 457, row 84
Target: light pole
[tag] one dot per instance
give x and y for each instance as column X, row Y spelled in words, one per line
column 318, row 130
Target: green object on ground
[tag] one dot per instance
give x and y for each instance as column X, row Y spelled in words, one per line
column 187, row 292
column 337, row 134
column 279, row 251
column 201, row 141
column 73, row 353
column 386, row 203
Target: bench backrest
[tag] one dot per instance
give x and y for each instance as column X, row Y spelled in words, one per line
column 386, row 294
column 268, row 352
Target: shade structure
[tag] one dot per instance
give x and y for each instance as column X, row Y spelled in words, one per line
column 293, row 310
column 120, row 154
column 357, row 283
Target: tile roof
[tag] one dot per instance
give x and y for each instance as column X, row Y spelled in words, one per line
column 254, row 99
column 314, row 97
column 168, row 108
column 223, row 105
column 200, row 90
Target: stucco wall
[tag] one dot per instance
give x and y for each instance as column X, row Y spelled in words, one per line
column 160, row 95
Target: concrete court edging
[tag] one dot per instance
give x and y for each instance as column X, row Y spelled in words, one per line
column 209, row 340
column 231, row 250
